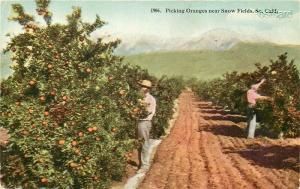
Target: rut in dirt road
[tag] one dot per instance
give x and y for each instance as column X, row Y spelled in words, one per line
column 206, row 149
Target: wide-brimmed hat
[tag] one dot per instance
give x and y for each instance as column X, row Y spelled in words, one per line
column 145, row 83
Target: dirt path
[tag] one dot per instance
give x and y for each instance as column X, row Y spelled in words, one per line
column 207, row 149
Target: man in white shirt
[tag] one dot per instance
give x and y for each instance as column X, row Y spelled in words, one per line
column 145, row 124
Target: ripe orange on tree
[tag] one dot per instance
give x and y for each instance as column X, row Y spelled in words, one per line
column 80, row 134
column 30, row 110
column 25, row 133
column 88, row 70
column 81, row 38
column 74, row 143
column 65, row 98
column 94, row 128
column 135, row 110
column 90, row 129
column 42, row 98
column 32, row 82
column 61, row 142
column 73, row 165
column 44, row 180
column 110, row 78
column 122, row 92
column 49, row 66
column 53, row 93
column 76, row 150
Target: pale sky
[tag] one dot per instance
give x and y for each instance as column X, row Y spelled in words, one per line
column 135, row 18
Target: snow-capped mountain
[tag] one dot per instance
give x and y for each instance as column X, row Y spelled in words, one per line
column 139, row 44
column 217, row 39
column 213, row 40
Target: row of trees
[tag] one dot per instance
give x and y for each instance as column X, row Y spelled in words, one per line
column 281, row 115
column 71, row 105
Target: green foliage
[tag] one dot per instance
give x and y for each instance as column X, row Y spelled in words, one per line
column 167, row 90
column 282, row 85
column 71, row 106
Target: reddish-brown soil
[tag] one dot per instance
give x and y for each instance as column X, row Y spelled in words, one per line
column 207, row 148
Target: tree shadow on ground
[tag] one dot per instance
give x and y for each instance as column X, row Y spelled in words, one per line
column 228, row 117
column 272, row 156
column 225, row 130
column 214, row 111
column 133, row 163
column 204, row 106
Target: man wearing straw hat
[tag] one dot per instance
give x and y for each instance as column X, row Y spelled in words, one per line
column 144, row 125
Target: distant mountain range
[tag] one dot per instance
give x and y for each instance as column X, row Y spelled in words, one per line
column 209, row 64
column 217, row 40
column 205, row 57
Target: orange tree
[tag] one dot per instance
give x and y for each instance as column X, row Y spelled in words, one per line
column 70, row 106
column 166, row 91
column 282, row 84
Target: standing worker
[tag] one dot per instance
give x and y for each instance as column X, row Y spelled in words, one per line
column 145, row 124
column 252, row 97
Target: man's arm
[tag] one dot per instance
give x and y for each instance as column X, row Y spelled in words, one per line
column 265, row 98
column 260, row 83
column 260, row 97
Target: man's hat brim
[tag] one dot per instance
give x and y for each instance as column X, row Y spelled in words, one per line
column 145, row 83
